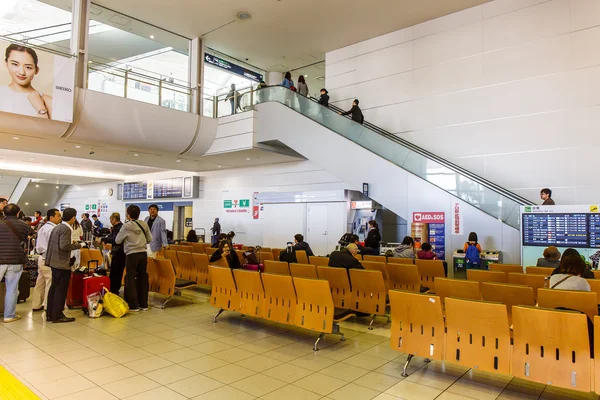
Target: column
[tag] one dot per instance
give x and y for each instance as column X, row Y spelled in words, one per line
column 79, row 40
column 196, row 75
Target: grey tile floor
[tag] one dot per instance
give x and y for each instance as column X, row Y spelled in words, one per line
column 178, row 353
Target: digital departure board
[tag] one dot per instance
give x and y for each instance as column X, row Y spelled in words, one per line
column 560, row 229
column 168, row 188
column 594, row 231
column 135, row 190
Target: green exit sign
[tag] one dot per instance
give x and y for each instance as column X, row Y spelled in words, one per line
column 227, row 204
column 245, row 203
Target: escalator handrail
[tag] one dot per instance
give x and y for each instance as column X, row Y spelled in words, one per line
column 482, row 181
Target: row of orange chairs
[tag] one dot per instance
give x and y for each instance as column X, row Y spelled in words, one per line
column 302, row 302
column 545, row 345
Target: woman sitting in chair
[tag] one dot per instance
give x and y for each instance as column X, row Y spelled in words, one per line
column 569, row 276
column 224, row 251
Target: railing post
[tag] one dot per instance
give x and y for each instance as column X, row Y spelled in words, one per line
column 235, row 102
column 215, row 106
column 251, row 96
column 126, row 81
column 160, row 92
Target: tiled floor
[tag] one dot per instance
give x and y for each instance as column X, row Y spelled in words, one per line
column 178, row 353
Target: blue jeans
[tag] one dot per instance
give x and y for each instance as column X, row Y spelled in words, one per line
column 12, row 274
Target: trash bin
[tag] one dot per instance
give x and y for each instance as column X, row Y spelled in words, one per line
column 459, row 260
column 490, row 257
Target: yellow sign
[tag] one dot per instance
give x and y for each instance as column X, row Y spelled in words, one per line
column 594, row 208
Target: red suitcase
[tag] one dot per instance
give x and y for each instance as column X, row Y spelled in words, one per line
column 94, row 284
column 75, row 291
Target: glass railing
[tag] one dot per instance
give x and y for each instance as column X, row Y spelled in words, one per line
column 140, row 86
column 477, row 191
column 224, row 104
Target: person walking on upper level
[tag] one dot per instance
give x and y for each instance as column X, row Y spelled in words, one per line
column 357, row 115
column 288, row 82
column 546, row 195
column 234, row 98
column 158, row 228
column 13, row 236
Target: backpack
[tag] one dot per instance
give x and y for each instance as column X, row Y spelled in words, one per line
column 472, row 255
column 288, row 255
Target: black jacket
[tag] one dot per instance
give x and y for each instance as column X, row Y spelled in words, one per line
column 304, row 246
column 324, row 100
column 373, row 239
column 216, row 229
column 12, row 251
column 344, row 259
column 110, row 239
column 357, row 115
column 232, row 258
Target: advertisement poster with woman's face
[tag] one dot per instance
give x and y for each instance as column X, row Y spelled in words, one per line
column 36, row 83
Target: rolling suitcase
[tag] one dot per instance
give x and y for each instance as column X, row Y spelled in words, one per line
column 24, row 286
column 75, row 291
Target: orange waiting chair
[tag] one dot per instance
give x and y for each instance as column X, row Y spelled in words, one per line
column 430, row 270
column 417, row 325
column 481, row 275
column 539, row 270
column 457, row 288
column 339, row 283
column 368, row 293
column 377, row 266
column 506, row 268
column 404, row 277
column 251, row 291
column 280, row 299
column 509, row 295
column 301, row 257
column 168, row 283
column 277, row 267
column 303, row 270
column 224, row 294
column 201, row 269
column 535, row 281
column 382, row 259
column 398, row 260
column 319, row 261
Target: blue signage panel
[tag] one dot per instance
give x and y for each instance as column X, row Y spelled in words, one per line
column 233, row 68
column 437, row 239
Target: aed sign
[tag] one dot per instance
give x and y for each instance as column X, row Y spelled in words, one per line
column 429, row 217
column 361, row 205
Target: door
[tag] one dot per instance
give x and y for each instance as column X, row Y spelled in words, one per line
column 316, row 228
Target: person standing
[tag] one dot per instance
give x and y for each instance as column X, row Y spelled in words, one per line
column 357, row 115
column 158, row 228
column 234, row 98
column 216, row 231
column 546, row 195
column 302, row 86
column 38, row 219
column 117, row 265
column 324, row 99
column 86, row 226
column 472, row 251
column 3, row 203
column 135, row 235
column 58, row 257
column 373, row 240
column 44, row 279
column 76, row 237
column 13, row 237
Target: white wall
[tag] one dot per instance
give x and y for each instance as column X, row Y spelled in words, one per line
column 234, row 132
column 509, row 89
column 217, row 186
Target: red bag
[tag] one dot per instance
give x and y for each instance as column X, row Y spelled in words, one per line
column 94, row 284
column 254, row 267
column 293, row 88
column 75, row 291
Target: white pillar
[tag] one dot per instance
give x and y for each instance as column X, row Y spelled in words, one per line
column 274, row 78
column 197, row 75
column 79, row 39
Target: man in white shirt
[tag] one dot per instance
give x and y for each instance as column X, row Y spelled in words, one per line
column 44, row 279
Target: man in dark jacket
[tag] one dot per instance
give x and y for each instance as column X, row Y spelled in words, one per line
column 58, row 257
column 3, row 203
column 324, row 99
column 345, row 258
column 216, row 231
column 300, row 244
column 117, row 265
column 86, row 226
column 357, row 115
column 13, row 236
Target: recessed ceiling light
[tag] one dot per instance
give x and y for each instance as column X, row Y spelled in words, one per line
column 136, row 155
column 306, row 76
column 58, row 187
column 151, row 36
column 247, row 158
column 244, row 15
column 26, row 204
column 178, row 160
column 218, row 166
column 90, row 61
column 46, row 204
column 37, row 185
column 77, row 147
column 15, row 138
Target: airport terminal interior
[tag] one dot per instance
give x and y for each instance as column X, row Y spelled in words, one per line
column 277, row 199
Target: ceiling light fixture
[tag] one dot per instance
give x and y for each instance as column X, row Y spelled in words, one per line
column 136, row 155
column 247, row 158
column 77, row 147
column 15, row 138
column 151, row 36
column 46, row 204
column 37, row 185
column 218, row 166
column 244, row 15
column 58, row 187
column 26, row 204
column 178, row 160
column 306, row 76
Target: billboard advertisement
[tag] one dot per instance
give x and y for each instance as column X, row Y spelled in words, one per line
column 36, row 83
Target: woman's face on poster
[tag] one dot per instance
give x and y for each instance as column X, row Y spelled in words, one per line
column 21, row 67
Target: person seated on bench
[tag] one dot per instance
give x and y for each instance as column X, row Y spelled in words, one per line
column 222, row 236
column 426, row 252
column 551, row 258
column 569, row 277
column 226, row 251
column 362, row 250
column 300, row 244
column 406, row 248
column 345, row 258
column 587, row 274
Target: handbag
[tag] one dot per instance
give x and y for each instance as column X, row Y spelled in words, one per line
column 113, row 304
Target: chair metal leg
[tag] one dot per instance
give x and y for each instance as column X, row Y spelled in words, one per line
column 316, row 347
column 165, row 303
column 427, row 360
column 216, row 315
column 404, row 374
column 343, row 338
column 371, row 323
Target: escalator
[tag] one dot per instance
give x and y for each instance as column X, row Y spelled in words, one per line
column 308, row 128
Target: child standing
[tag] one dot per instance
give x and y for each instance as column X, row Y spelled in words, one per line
column 472, row 252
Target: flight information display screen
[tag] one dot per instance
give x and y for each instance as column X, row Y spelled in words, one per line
column 168, row 188
column 135, row 190
column 594, row 231
column 561, row 230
